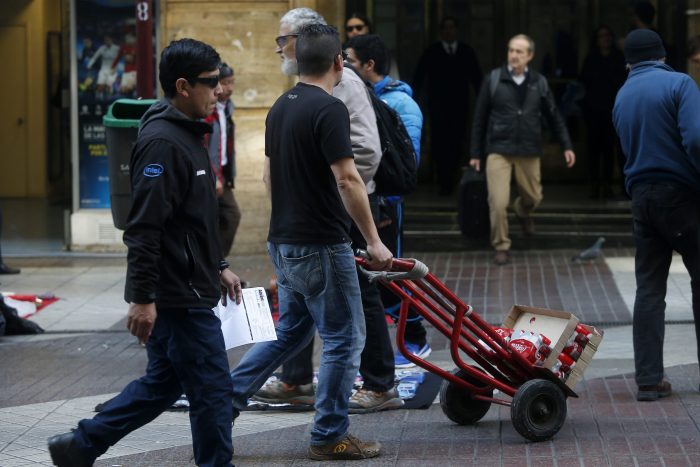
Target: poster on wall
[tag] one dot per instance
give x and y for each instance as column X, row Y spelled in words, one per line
column 106, row 70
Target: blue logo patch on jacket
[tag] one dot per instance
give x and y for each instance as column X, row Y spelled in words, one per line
column 153, row 170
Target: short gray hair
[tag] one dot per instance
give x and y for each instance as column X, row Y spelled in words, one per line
column 531, row 43
column 300, row 17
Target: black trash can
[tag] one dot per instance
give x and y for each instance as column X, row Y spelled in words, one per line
column 121, row 124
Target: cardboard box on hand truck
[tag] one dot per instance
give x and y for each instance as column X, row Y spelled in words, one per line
column 559, row 327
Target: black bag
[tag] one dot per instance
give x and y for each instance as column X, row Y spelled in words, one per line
column 473, row 205
column 397, row 171
column 11, row 324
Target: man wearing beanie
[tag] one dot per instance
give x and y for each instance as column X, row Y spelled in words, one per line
column 656, row 117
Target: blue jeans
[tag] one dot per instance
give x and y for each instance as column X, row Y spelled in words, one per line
column 186, row 353
column 317, row 284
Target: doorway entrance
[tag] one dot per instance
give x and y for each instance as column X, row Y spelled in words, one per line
column 13, row 117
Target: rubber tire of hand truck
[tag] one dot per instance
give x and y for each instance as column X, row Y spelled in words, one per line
column 538, row 410
column 457, row 403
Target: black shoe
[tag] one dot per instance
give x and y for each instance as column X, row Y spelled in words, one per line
column 5, row 269
column 654, row 392
column 501, row 257
column 64, row 452
column 527, row 224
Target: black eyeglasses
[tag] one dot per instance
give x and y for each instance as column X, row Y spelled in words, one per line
column 356, row 27
column 282, row 40
column 211, row 81
column 344, row 55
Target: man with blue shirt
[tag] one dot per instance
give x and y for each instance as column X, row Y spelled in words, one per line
column 656, row 117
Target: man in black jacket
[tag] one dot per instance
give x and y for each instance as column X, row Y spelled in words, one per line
column 445, row 72
column 507, row 134
column 175, row 273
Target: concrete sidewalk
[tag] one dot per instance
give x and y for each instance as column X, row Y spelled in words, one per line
column 51, row 381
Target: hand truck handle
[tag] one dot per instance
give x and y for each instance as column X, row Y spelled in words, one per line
column 401, row 268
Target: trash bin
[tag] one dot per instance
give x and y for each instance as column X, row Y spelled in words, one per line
column 121, row 124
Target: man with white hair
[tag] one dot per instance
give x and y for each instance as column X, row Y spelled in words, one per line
column 377, row 363
column 312, row 180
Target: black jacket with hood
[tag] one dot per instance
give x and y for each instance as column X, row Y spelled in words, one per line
column 509, row 122
column 172, row 228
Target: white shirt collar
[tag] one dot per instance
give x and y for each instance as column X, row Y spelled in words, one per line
column 519, row 79
column 450, row 47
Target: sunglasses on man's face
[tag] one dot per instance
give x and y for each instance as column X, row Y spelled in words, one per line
column 355, row 27
column 211, row 81
column 282, row 40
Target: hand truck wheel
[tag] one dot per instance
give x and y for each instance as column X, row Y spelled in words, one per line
column 457, row 403
column 538, row 409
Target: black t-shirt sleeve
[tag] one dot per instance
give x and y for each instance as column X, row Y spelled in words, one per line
column 333, row 131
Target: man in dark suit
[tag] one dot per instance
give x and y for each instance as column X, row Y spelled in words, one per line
column 443, row 76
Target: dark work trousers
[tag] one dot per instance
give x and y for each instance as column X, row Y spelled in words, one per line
column 666, row 218
column 601, row 150
column 377, row 360
column 186, row 353
column 447, row 143
column 229, row 220
column 392, row 237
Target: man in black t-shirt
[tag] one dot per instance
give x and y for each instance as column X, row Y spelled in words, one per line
column 314, row 185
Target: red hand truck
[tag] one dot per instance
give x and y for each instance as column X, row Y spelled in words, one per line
column 537, row 397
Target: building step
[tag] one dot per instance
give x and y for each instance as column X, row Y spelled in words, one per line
column 556, row 227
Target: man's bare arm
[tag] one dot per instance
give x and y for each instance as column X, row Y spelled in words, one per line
column 354, row 197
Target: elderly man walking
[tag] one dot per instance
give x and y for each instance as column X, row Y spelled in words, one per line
column 507, row 135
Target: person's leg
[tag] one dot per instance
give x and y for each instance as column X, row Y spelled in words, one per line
column 295, row 384
column 299, row 370
column 439, row 150
column 454, row 128
column 229, row 220
column 198, row 354
column 681, row 220
column 328, row 278
column 652, row 261
column 498, row 174
column 377, row 360
column 528, row 181
column 295, row 329
column 140, row 401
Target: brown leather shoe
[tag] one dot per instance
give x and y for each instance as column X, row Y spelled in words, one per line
column 501, row 257
column 527, row 224
column 654, row 392
column 348, row 448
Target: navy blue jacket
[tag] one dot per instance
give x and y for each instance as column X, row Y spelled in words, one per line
column 657, row 117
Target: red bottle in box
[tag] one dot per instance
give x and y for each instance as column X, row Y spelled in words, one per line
column 573, row 350
column 566, row 363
